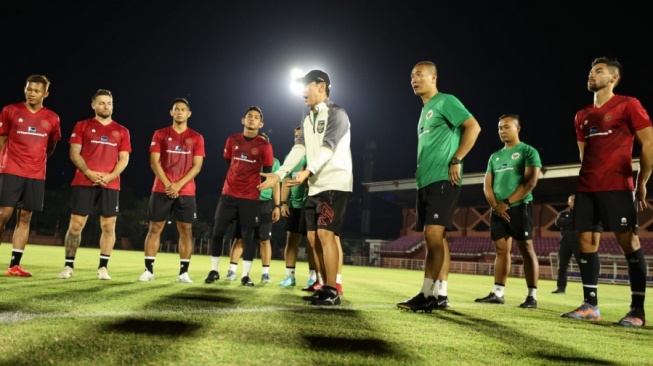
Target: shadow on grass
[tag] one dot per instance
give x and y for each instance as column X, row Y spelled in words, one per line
column 516, row 341
column 353, row 345
column 154, row 327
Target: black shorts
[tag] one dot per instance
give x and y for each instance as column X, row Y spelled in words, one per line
column 25, row 193
column 84, row 199
column 436, row 204
column 232, row 208
column 296, row 223
column 520, row 226
column 615, row 210
column 162, row 208
column 326, row 210
column 264, row 230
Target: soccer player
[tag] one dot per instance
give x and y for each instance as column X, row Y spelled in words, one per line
column 511, row 176
column 605, row 192
column 446, row 132
column 28, row 136
column 176, row 157
column 99, row 149
column 269, row 214
column 325, row 141
column 246, row 154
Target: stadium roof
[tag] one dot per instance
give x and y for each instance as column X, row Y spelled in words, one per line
column 555, row 184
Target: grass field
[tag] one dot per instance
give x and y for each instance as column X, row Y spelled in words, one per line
column 84, row 321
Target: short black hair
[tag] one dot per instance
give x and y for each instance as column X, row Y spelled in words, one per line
column 612, row 63
column 101, row 92
column 255, row 108
column 509, row 115
column 41, row 79
column 181, row 100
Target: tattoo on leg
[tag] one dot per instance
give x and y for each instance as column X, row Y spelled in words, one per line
column 72, row 243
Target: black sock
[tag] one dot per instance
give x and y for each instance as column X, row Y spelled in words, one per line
column 70, row 262
column 183, row 265
column 104, row 260
column 590, row 266
column 149, row 264
column 16, row 256
column 637, row 274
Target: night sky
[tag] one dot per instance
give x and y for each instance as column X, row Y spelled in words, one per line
column 532, row 60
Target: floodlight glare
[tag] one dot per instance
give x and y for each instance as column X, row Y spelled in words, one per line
column 296, row 87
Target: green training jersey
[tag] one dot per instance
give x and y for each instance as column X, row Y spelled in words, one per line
column 438, row 137
column 266, row 194
column 298, row 193
column 507, row 167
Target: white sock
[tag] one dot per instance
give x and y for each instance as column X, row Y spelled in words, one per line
column 532, row 291
column 339, row 278
column 266, row 270
column 427, row 287
column 312, row 275
column 215, row 261
column 290, row 272
column 440, row 288
column 247, row 265
column 499, row 290
column 319, row 279
column 233, row 267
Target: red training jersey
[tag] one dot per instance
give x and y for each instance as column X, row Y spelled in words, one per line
column 101, row 146
column 28, row 135
column 247, row 157
column 177, row 152
column 608, row 133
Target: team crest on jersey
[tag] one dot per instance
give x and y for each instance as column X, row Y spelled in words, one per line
column 45, row 124
column 189, row 141
column 254, row 151
column 429, row 114
column 115, row 134
column 515, row 156
column 608, row 117
column 320, row 126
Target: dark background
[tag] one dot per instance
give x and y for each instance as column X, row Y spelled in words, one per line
column 529, row 58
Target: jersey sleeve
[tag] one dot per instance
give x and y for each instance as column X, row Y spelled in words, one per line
column 455, row 112
column 125, row 141
column 639, row 118
column 227, row 149
column 198, row 149
column 155, row 145
column 77, row 136
column 268, row 158
column 5, row 123
column 533, row 158
column 55, row 133
column 579, row 127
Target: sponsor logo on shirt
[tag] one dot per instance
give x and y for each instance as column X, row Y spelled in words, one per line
column 104, row 139
column 32, row 131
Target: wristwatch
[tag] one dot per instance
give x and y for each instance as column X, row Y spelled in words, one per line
column 455, row 161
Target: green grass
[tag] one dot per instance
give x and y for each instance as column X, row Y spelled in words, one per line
column 84, row 321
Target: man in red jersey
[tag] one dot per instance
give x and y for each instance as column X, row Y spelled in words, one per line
column 99, row 149
column 28, row 135
column 247, row 154
column 605, row 193
column 176, row 157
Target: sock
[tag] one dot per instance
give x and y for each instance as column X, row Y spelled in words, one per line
column 70, row 262
column 311, row 274
column 266, row 269
column 233, row 267
column 215, row 262
column 16, row 256
column 319, row 279
column 440, row 288
column 339, row 278
column 149, row 264
column 637, row 274
column 427, row 287
column 590, row 266
column 532, row 291
column 183, row 265
column 499, row 289
column 290, row 272
column 247, row 265
column 104, row 260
